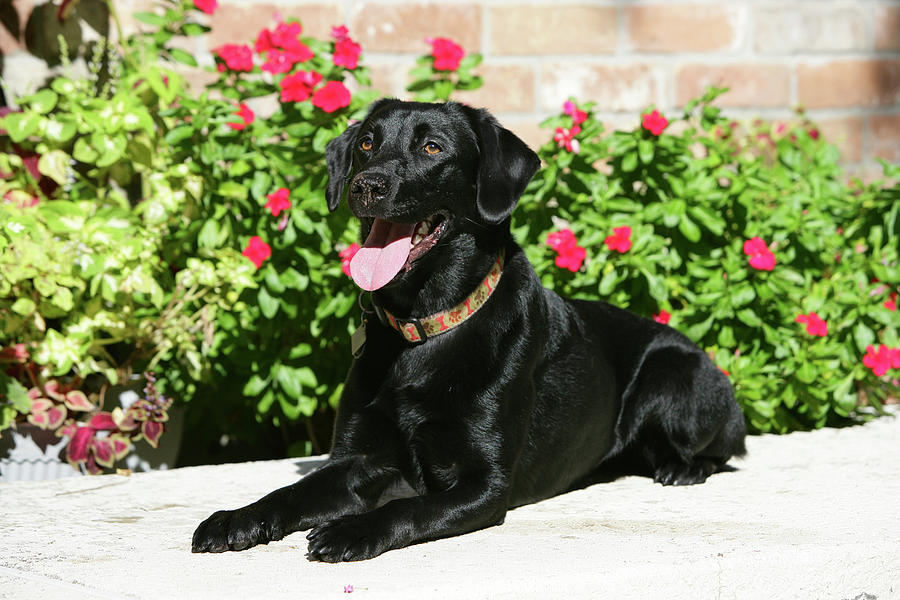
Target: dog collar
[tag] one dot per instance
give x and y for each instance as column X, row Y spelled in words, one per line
column 419, row 330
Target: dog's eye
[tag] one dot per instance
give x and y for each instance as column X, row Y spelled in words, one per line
column 432, row 148
column 365, row 145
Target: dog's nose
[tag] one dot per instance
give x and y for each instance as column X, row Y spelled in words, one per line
column 369, row 185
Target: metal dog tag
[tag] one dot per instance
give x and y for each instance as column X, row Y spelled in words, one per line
column 358, row 340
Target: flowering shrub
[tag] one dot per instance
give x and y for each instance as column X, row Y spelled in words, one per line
column 746, row 239
column 97, row 282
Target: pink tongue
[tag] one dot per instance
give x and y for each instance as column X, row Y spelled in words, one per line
column 383, row 254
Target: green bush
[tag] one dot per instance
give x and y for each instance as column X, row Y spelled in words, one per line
column 693, row 199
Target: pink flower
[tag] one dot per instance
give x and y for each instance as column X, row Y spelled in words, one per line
column 447, row 53
column 814, row 324
column 278, row 201
column 331, row 96
column 565, row 138
column 283, row 47
column 339, row 32
column 257, row 251
column 654, row 122
column 347, row 255
column 237, row 57
column 279, row 61
column 881, row 360
column 662, row 316
column 207, row 6
column 299, row 86
column 569, row 254
column 620, row 240
column 346, row 53
column 246, row 116
column 578, row 116
column 760, row 257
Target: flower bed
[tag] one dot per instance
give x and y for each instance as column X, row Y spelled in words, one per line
column 146, row 228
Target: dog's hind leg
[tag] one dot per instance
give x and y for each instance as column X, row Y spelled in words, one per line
column 680, row 418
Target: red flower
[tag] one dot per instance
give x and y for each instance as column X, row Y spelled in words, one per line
column 246, row 116
column 654, row 122
column 278, row 201
column 331, row 96
column 446, row 53
column 257, row 251
column 814, row 324
column 339, row 32
column 881, row 360
column 761, row 258
column 347, row 255
column 569, row 254
column 283, row 47
column 578, row 116
column 662, row 316
column 346, row 53
column 299, row 86
column 891, row 303
column 237, row 57
column 620, row 240
column 565, row 138
column 207, row 6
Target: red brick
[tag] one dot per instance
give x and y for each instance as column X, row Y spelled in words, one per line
column 240, row 24
column 884, row 137
column 845, row 133
column 847, row 83
column 805, row 27
column 887, row 28
column 750, row 85
column 507, row 88
column 626, row 87
column 682, row 27
column 553, row 29
column 404, row 27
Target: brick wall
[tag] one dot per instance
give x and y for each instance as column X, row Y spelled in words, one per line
column 839, row 59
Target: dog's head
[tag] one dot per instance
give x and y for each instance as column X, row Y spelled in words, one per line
column 417, row 174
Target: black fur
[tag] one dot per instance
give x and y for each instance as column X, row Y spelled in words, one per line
column 532, row 396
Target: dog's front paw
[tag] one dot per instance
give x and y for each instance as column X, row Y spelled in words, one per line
column 347, row 538
column 235, row 530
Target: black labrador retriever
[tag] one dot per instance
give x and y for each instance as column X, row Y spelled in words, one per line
column 475, row 387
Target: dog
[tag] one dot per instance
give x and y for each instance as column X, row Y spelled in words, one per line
column 475, row 389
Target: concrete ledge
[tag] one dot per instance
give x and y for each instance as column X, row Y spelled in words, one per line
column 808, row 515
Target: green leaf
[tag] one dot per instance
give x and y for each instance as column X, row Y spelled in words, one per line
column 290, row 380
column 689, row 229
column 24, row 307
column 84, row 152
column 863, row 336
column 43, row 101
column 232, row 189
column 21, row 125
column 267, row 304
column 150, row 18
column 54, row 164
column 179, row 134
column 15, row 392
column 255, row 385
column 181, row 56
column 645, row 151
column 60, row 131
column 629, row 162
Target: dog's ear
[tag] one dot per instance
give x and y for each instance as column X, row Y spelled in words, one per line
column 339, row 160
column 505, row 167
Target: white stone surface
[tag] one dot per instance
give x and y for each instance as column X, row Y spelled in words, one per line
column 808, row 515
